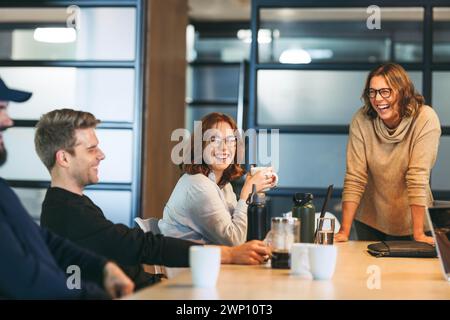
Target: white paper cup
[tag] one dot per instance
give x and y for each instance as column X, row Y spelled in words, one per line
column 322, row 261
column 300, row 260
column 205, row 265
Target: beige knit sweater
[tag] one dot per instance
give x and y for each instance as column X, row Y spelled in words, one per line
column 389, row 170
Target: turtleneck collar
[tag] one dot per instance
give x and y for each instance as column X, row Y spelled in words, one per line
column 395, row 135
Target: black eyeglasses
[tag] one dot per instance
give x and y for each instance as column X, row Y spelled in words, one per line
column 384, row 92
column 229, row 141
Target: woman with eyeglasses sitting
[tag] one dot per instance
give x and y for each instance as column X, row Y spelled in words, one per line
column 392, row 146
column 203, row 206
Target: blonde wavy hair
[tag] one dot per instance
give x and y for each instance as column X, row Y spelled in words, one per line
column 398, row 80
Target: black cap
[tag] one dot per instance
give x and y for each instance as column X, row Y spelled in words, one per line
column 7, row 94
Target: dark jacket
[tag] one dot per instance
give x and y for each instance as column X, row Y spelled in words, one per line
column 34, row 261
column 77, row 218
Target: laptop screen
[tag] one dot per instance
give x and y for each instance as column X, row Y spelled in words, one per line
column 440, row 221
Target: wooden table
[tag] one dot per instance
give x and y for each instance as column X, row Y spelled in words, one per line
column 401, row 278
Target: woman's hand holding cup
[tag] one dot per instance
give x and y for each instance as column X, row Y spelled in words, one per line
column 263, row 177
column 268, row 173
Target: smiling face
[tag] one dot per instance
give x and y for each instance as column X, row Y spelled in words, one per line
column 5, row 123
column 386, row 107
column 221, row 147
column 86, row 158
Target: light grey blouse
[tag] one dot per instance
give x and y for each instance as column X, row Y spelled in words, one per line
column 198, row 210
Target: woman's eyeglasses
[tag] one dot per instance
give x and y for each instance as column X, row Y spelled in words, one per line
column 384, row 92
column 229, row 141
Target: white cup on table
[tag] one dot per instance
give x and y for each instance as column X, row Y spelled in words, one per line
column 204, row 262
column 316, row 260
column 322, row 260
column 300, row 260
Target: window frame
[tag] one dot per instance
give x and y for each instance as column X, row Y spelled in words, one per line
column 137, row 64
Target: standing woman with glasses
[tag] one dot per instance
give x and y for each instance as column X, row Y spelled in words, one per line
column 203, row 206
column 392, row 146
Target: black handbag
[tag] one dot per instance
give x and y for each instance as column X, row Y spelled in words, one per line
column 408, row 249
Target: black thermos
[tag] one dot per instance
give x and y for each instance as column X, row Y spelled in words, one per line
column 256, row 215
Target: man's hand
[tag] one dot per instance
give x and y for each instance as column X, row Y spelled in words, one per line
column 424, row 238
column 252, row 252
column 116, row 283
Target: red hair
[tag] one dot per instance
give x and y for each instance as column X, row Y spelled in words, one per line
column 234, row 170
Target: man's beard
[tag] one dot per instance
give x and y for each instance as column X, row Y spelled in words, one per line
column 3, row 154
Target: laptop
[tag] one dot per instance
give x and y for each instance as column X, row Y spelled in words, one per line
column 439, row 220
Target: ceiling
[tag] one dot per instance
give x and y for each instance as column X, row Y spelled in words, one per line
column 238, row 10
column 219, row 10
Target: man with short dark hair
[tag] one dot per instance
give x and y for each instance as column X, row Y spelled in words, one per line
column 66, row 142
column 33, row 261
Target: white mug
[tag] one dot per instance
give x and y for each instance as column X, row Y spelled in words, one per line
column 322, row 260
column 254, row 170
column 205, row 265
column 300, row 260
column 313, row 259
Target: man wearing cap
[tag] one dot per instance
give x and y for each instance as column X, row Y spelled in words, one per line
column 37, row 264
column 7, row 95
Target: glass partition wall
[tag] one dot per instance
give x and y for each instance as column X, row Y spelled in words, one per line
column 86, row 56
column 214, row 54
column 309, row 60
